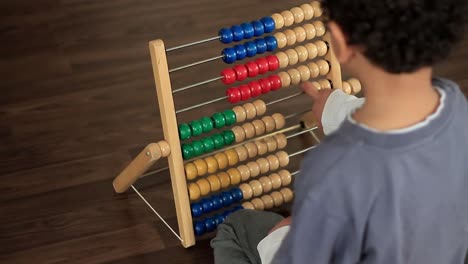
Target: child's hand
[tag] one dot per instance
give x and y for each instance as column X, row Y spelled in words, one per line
column 319, row 98
column 284, row 222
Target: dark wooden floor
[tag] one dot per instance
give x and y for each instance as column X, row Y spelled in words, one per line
column 78, row 102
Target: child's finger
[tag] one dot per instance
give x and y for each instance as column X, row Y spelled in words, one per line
column 311, row 90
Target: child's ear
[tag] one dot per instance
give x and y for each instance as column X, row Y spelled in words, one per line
column 342, row 50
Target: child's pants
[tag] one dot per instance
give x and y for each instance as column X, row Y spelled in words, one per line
column 238, row 237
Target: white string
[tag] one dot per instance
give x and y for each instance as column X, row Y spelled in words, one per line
column 149, row 205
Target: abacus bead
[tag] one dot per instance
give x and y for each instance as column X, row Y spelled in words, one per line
column 277, row 198
column 319, row 28
column 208, row 144
column 217, row 202
column 271, row 42
column 248, row 30
column 325, row 84
column 292, row 56
column 196, row 128
column 229, row 55
column 197, row 209
column 262, row 148
column 290, row 36
column 241, row 52
column 165, row 148
column 199, row 228
column 241, row 153
column 254, row 169
column 286, row 177
column 207, row 124
column 237, row 194
column 240, row 113
column 239, row 133
column 198, row 148
column 249, row 130
column 275, row 180
column 207, row 205
column 234, row 95
column 194, row 191
column 288, row 18
column 259, row 28
column 324, row 67
column 247, row 191
column 302, row 53
column 308, row 11
column 250, row 110
column 252, row 69
column 260, row 107
column 244, row 172
column 225, row 35
column 267, row 201
column 210, row 224
column 316, row 84
column 219, row 219
column 261, row 46
column 236, row 208
column 215, row 183
column 269, row 123
column 227, row 198
column 266, row 184
column 191, row 171
column 258, row 204
column 281, row 39
column 311, row 50
column 298, row 14
column 283, row 59
column 273, row 62
column 248, row 205
column 241, row 72
column 229, row 76
column 346, row 87
column 202, row 167
column 279, row 21
column 265, row 84
column 245, row 92
column 251, row 48
column 295, row 76
column 300, row 34
column 226, row 213
column 237, row 32
column 251, row 149
column 268, row 23
column 281, row 140
column 271, row 144
column 355, row 84
column 224, row 179
column 262, row 65
column 317, row 8
column 264, row 165
column 234, row 175
column 283, row 158
column 187, row 151
column 287, row 194
column 322, row 48
column 212, row 164
column 184, row 131
column 257, row 189
column 218, row 120
column 230, row 117
column 305, row 73
column 222, row 160
column 310, row 31
column 273, row 161
column 275, row 82
column 259, row 127
column 314, row 70
column 232, row 157
column 204, row 186
column 285, row 79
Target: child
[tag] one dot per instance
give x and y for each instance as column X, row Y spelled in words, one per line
column 390, row 185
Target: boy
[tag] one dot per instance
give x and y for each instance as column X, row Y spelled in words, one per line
column 390, row 185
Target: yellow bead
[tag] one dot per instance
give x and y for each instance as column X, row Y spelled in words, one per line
column 191, row 171
column 222, row 160
column 310, row 31
column 240, row 113
column 285, row 78
column 250, row 110
column 281, row 39
column 251, row 149
column 247, row 191
column 300, row 34
column 320, row 29
column 212, row 164
column 215, row 183
column 279, row 120
column 302, row 53
column 260, row 107
column 262, row 147
column 249, row 130
column 298, row 14
column 242, row 153
column 224, row 179
column 313, row 69
column 355, row 85
column 273, row 161
column 194, row 191
column 267, row 201
column 258, row 204
column 269, row 123
column 204, row 186
column 259, row 127
column 232, row 157
column 278, row 198
column 322, row 47
column 290, row 36
column 308, row 11
column 275, row 181
column 281, row 141
column 248, row 205
column 283, row 158
column 264, row 165
column 279, row 20
column 202, row 167
column 234, row 176
column 286, row 177
column 288, row 18
column 283, row 59
column 293, row 57
column 288, row 195
column 317, row 8
column 295, row 76
column 239, row 133
column 311, row 50
column 254, row 169
column 324, row 67
column 256, row 188
column 305, row 73
column 244, row 172
column 266, row 183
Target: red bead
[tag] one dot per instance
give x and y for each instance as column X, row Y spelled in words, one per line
column 273, row 62
column 265, row 84
column 234, row 95
column 229, row 76
column 241, row 72
column 275, row 82
column 262, row 65
column 255, row 89
column 245, row 92
column 252, row 68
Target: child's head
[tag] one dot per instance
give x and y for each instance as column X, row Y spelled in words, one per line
column 399, row 36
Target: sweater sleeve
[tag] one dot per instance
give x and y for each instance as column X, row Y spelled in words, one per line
column 338, row 106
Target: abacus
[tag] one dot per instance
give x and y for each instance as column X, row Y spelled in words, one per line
column 244, row 165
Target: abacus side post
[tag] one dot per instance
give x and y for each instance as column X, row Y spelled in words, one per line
column 335, row 70
column 171, row 135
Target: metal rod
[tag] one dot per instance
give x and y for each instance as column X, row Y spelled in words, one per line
column 302, row 151
column 193, row 43
column 195, row 64
column 296, row 114
column 302, row 132
column 201, row 104
column 294, row 173
column 196, row 84
column 285, row 98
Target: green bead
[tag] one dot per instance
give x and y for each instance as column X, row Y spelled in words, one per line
column 229, row 137
column 187, row 151
column 207, row 124
column 230, row 117
column 196, row 127
column 218, row 120
column 208, row 144
column 184, row 132
column 218, row 140
column 198, row 148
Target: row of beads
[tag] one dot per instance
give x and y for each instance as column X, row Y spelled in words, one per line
column 297, row 15
column 210, row 223
column 234, row 176
column 299, row 34
column 222, row 119
column 231, row 157
column 247, row 30
column 216, row 202
column 298, row 54
column 268, row 201
column 352, row 86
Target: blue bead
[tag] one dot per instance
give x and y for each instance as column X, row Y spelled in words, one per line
column 226, row 213
column 226, row 35
column 269, row 24
column 217, row 202
column 261, row 46
column 207, row 205
column 241, row 52
column 251, row 48
column 271, row 42
column 259, row 28
column 248, row 30
column 219, row 219
column 197, row 209
column 237, row 32
column 199, row 227
column 230, row 55
column 227, row 198
column 210, row 224
column 237, row 194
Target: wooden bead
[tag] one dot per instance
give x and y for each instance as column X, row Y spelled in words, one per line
column 202, row 167
column 312, row 51
column 295, row 76
column 222, row 160
column 269, row 123
column 300, row 34
column 278, row 198
column 316, row 84
column 317, row 8
column 271, row 143
column 259, row 127
column 346, row 87
column 215, row 183
column 190, row 171
column 355, row 85
column 324, row 67
column 313, row 69
column 248, row 205
column 240, row 113
column 281, row 141
column 239, row 133
column 242, row 153
column 308, row 11
column 260, row 107
column 249, row 130
column 273, row 161
column 279, row 20
column 262, row 147
column 305, row 73
column 310, row 31
column 290, row 36
column 283, row 158
column 254, row 169
column 288, row 195
column 224, row 179
column 322, row 47
column 232, row 157
column 164, row 148
column 212, row 164
column 286, row 177
column 251, row 149
column 275, row 180
column 298, row 14
column 281, row 39
column 250, row 110
column 256, row 188
column 264, row 165
column 266, row 184
column 258, row 204
column 194, row 191
column 285, row 79
column 319, row 28
column 302, row 53
column 247, row 191
column 293, row 57
column 267, row 201
column 283, row 59
column 279, row 120
column 325, row 84
column 204, row 186
column 234, row 176
column 288, row 18
column 244, row 172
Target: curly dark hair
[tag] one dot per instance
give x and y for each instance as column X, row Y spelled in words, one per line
column 400, row 36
